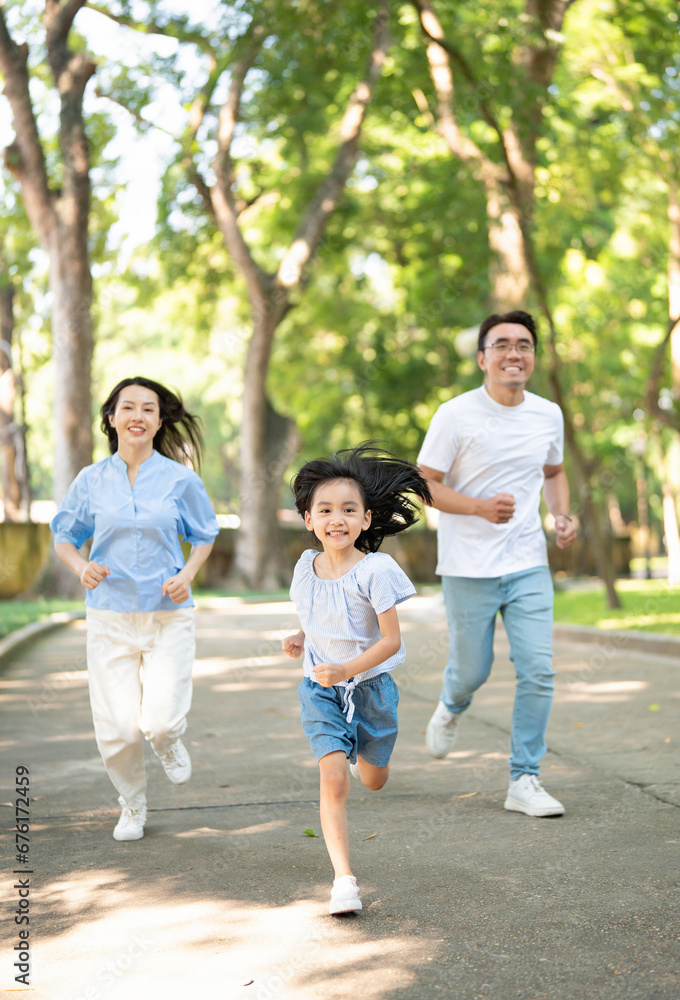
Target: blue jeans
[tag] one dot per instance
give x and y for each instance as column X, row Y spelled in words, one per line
column 525, row 601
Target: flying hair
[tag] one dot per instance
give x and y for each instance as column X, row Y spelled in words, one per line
column 386, row 484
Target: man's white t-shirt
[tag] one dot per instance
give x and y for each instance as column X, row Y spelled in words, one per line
column 485, row 448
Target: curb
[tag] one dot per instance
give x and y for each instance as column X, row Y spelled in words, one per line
column 646, row 642
column 28, row 632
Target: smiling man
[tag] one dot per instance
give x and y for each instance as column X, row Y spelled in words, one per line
column 487, row 455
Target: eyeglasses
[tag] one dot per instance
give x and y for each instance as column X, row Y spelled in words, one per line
column 525, row 347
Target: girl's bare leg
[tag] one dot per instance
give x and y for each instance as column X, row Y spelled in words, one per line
column 371, row 776
column 333, row 809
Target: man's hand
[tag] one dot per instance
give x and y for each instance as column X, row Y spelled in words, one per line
column 176, row 588
column 565, row 531
column 93, row 574
column 498, row 509
column 294, row 644
column 328, row 674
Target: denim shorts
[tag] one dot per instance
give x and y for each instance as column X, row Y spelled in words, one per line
column 372, row 732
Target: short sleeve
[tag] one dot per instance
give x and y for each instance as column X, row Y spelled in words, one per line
column 74, row 522
column 556, row 453
column 439, row 447
column 386, row 583
column 198, row 524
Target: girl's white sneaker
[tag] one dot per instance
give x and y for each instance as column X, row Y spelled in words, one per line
column 344, row 895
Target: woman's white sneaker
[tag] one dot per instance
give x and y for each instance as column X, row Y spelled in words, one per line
column 130, row 826
column 527, row 795
column 344, row 895
column 176, row 762
column 442, row 730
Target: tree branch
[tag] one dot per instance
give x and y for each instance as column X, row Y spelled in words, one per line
column 432, row 30
column 59, row 18
column 24, row 157
column 222, row 195
column 438, row 59
column 171, row 29
column 328, row 193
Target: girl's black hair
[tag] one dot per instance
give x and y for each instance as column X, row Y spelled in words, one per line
column 384, row 482
column 179, row 437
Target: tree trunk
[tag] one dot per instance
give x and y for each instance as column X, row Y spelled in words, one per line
column 60, row 219
column 72, row 344
column 11, row 493
column 269, row 443
column 674, row 280
column 670, row 467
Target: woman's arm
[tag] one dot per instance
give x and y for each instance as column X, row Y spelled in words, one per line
column 177, row 587
column 91, row 573
column 328, row 674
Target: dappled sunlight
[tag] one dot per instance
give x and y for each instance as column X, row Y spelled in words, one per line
column 237, row 606
column 229, row 634
column 602, row 692
column 640, row 621
column 200, row 832
column 274, row 824
column 69, row 737
column 608, row 687
column 279, row 950
column 256, row 685
column 212, row 665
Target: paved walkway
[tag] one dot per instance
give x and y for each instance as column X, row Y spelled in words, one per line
column 461, row 899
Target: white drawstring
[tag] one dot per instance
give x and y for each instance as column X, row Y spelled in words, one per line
column 347, row 699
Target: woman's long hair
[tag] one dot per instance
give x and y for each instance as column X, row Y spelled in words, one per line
column 179, row 437
column 384, row 481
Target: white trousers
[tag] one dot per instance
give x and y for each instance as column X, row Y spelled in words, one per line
column 139, row 669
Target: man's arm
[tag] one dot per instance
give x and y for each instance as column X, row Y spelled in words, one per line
column 556, row 495
column 498, row 509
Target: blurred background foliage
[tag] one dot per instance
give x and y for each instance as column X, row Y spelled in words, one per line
column 379, row 333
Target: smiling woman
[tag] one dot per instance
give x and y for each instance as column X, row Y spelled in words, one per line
column 140, row 624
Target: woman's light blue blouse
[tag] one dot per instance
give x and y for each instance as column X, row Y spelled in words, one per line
column 135, row 530
column 340, row 617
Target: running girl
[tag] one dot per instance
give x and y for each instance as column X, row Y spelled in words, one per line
column 346, row 599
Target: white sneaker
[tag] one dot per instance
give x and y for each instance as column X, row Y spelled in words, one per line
column 130, row 826
column 344, row 895
column 442, row 730
column 527, row 795
column 354, row 770
column 176, row 762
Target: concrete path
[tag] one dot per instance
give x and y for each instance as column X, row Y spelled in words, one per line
column 225, row 897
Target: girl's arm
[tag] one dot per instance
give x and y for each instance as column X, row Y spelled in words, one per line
column 177, row 587
column 294, row 644
column 91, row 573
column 328, row 674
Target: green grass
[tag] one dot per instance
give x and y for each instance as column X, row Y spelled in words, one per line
column 16, row 614
column 648, row 606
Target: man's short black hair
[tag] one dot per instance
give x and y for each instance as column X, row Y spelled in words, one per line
column 515, row 316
